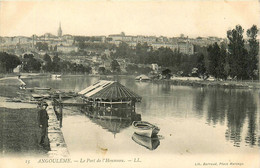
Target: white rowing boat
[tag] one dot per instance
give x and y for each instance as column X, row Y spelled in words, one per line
column 145, row 128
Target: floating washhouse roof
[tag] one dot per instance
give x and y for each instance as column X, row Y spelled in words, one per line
column 142, row 77
column 109, row 90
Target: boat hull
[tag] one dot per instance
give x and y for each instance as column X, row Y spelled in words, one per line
column 147, row 129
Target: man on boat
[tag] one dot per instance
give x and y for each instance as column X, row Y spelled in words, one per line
column 43, row 122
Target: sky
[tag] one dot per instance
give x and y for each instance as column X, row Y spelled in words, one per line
column 156, row 18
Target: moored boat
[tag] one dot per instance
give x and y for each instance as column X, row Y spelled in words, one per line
column 56, row 76
column 40, row 96
column 145, row 128
column 41, row 88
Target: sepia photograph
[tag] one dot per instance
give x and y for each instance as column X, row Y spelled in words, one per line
column 129, row 84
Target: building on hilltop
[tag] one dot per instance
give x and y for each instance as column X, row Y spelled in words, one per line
column 59, row 31
column 67, row 49
column 186, row 48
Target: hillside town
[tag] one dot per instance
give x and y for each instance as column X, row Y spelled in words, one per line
column 96, row 51
column 158, row 57
column 67, row 43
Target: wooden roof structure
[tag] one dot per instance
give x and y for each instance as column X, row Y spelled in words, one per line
column 142, row 77
column 109, row 90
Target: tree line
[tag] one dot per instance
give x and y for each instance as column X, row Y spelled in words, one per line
column 31, row 64
column 237, row 59
column 62, row 66
column 163, row 56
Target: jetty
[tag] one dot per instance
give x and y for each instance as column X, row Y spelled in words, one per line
column 58, row 146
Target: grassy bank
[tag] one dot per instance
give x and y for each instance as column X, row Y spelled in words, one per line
column 20, row 133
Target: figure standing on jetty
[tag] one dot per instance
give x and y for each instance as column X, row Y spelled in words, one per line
column 43, row 121
column 59, row 114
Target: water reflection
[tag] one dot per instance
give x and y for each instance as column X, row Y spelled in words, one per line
column 217, row 104
column 251, row 137
column 113, row 126
column 147, row 142
column 199, row 101
column 236, row 106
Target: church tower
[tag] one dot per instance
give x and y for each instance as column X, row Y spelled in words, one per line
column 59, row 31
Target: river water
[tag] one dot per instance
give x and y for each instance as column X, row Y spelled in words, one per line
column 193, row 120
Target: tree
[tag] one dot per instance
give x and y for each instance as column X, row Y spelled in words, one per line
column 145, row 70
column 30, row 63
column 237, row 56
column 217, row 61
column 222, row 63
column 42, row 46
column 48, row 63
column 132, row 68
column 82, row 45
column 165, row 57
column 115, row 67
column 123, row 51
column 8, row 62
column 214, row 52
column 201, row 66
column 253, row 51
column 56, row 63
column 167, row 73
column 47, row 58
column 101, row 70
column 142, row 53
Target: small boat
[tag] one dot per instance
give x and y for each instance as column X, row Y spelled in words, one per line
column 145, row 128
column 40, row 96
column 147, row 142
column 39, row 88
column 14, row 100
column 56, row 76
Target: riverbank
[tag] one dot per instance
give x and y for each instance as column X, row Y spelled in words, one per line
column 223, row 84
column 204, row 83
column 19, row 127
column 195, row 83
